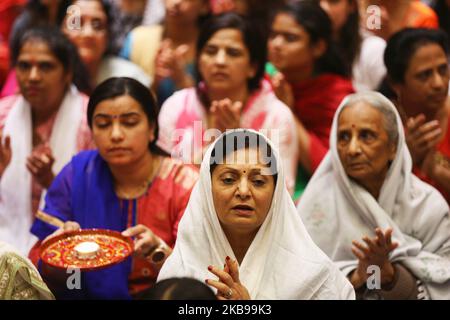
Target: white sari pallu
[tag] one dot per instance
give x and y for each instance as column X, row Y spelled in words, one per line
column 281, row 263
column 16, row 216
column 336, row 210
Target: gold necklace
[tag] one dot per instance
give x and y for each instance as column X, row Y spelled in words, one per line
column 142, row 188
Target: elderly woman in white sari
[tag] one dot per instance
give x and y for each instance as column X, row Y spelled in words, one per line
column 241, row 226
column 388, row 231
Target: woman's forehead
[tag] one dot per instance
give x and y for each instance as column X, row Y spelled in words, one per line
column 119, row 105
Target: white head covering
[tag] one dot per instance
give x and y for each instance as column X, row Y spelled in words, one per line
column 336, row 210
column 281, row 263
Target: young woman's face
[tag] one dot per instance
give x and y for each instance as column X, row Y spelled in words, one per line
column 121, row 131
column 338, row 11
column 363, row 144
column 224, row 62
column 41, row 76
column 242, row 191
column 91, row 35
column 290, row 49
column 425, row 85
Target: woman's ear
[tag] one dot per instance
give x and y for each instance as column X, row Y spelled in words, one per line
column 319, row 48
column 151, row 132
column 396, row 87
column 252, row 70
column 68, row 78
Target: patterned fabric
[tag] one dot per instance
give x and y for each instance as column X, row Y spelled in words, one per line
column 19, row 279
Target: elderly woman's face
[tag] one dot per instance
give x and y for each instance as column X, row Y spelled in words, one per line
column 91, row 35
column 121, row 131
column 363, row 144
column 242, row 191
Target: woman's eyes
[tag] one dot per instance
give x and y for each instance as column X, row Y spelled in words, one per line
column 367, row 135
column 228, row 180
column 258, row 182
column 344, row 136
column 232, row 52
column 364, row 135
column 127, row 123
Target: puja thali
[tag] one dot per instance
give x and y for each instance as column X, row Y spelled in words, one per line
column 87, row 250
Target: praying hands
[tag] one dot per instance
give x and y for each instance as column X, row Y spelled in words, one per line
column 375, row 252
column 229, row 287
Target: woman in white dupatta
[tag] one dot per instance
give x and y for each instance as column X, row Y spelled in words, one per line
column 40, row 129
column 365, row 189
column 241, row 214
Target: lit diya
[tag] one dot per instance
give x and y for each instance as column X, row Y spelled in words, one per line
column 88, row 249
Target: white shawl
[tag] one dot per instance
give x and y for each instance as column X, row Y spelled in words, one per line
column 336, row 210
column 281, row 263
column 16, row 216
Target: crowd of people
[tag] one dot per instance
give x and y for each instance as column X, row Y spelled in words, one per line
column 265, row 149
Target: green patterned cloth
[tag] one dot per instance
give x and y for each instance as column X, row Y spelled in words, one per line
column 19, row 279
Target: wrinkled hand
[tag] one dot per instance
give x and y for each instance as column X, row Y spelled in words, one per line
column 40, row 163
column 5, row 153
column 68, row 226
column 171, row 63
column 229, row 287
column 283, row 90
column 145, row 240
column 422, row 137
column 376, row 252
column 225, row 114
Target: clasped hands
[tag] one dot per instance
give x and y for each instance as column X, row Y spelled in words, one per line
column 39, row 163
column 375, row 252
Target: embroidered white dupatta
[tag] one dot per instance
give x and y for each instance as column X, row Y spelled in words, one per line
column 16, row 217
column 281, row 263
column 336, row 210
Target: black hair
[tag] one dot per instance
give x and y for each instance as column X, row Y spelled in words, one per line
column 34, row 15
column 61, row 48
column 443, row 12
column 178, row 289
column 403, row 45
column 310, row 15
column 120, row 86
column 253, row 38
column 242, row 139
column 349, row 38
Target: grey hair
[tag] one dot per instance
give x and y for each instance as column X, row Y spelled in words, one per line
column 382, row 104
